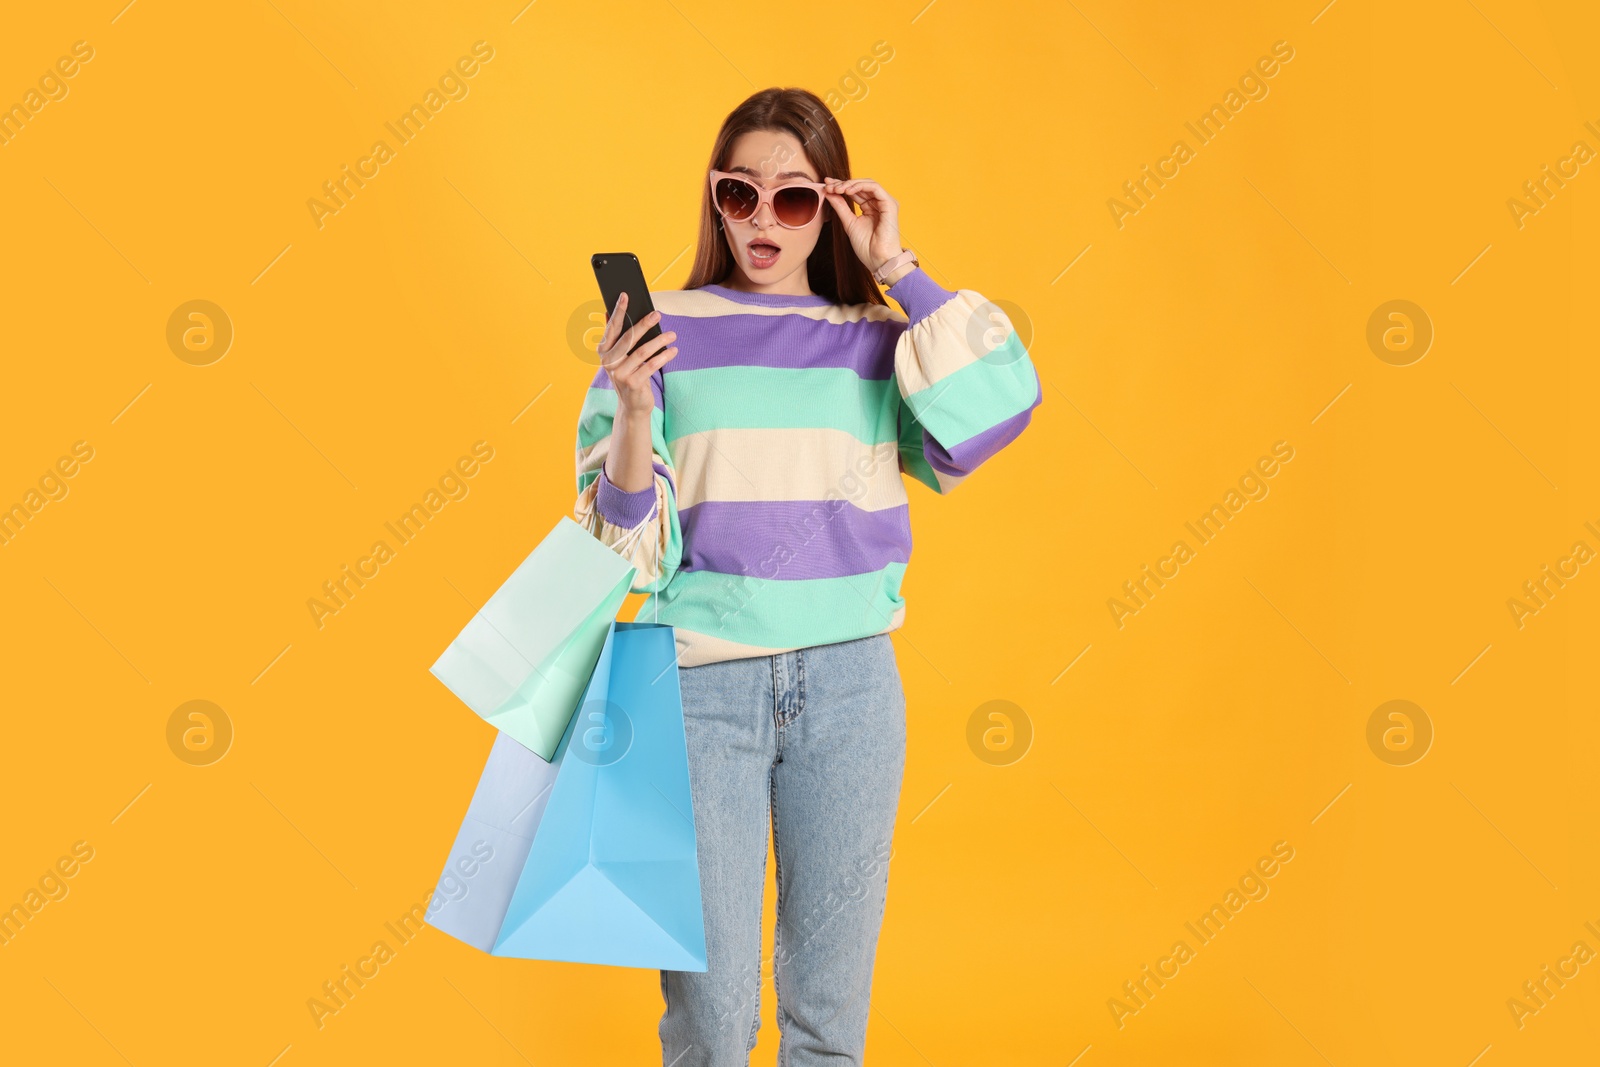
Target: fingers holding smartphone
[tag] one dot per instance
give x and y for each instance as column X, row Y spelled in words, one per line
column 630, row 355
column 608, row 338
column 629, row 364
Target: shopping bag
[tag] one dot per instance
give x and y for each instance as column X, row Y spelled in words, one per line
column 486, row 860
column 592, row 857
column 525, row 658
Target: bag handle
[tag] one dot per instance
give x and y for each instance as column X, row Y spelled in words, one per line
column 632, row 540
column 635, row 537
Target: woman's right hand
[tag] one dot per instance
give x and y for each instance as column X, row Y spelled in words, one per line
column 630, row 371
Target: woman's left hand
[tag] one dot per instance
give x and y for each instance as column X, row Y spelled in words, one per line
column 875, row 233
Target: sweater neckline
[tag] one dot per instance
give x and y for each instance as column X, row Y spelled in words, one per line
column 771, row 300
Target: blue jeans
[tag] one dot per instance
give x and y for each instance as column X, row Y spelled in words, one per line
column 815, row 740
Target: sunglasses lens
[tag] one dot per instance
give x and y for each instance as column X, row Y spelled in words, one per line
column 735, row 198
column 796, row 206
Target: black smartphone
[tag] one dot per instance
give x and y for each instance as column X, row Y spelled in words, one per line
column 618, row 273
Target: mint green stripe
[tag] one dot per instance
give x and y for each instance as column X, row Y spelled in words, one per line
column 912, row 456
column 775, row 613
column 600, row 411
column 986, row 392
column 774, row 398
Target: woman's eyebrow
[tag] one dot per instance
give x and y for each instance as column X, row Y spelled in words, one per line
column 785, row 174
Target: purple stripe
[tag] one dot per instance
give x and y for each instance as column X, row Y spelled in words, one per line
column 620, row 507
column 964, row 458
column 793, row 539
column 793, row 342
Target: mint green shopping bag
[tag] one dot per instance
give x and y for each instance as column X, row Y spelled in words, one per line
column 524, row 660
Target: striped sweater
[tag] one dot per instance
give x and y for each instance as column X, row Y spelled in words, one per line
column 778, row 518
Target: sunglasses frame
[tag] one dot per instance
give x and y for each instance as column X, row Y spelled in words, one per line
column 764, row 195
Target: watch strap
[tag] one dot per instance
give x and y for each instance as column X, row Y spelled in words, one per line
column 894, row 264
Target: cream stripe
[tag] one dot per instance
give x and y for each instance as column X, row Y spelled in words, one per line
column 702, row 304
column 594, row 457
column 598, row 450
column 947, row 482
column 696, row 648
column 787, row 464
column 942, row 343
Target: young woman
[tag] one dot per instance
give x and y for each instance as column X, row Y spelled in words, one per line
column 748, row 462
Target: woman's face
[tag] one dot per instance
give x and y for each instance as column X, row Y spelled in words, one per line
column 767, row 256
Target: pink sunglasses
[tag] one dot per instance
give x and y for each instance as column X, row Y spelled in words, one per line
column 794, row 203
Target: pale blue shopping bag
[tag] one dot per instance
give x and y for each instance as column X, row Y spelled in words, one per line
column 590, row 858
column 486, row 860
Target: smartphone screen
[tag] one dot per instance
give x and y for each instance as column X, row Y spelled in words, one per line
column 618, row 273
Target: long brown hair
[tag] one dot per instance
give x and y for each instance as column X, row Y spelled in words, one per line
column 833, row 268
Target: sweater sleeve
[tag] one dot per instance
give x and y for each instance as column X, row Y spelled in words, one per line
column 967, row 386
column 642, row 526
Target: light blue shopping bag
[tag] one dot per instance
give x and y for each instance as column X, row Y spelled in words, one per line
column 486, row 860
column 590, row 858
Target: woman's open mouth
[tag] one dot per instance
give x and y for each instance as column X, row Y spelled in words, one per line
column 762, row 254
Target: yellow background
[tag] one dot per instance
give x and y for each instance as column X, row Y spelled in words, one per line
column 429, row 313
